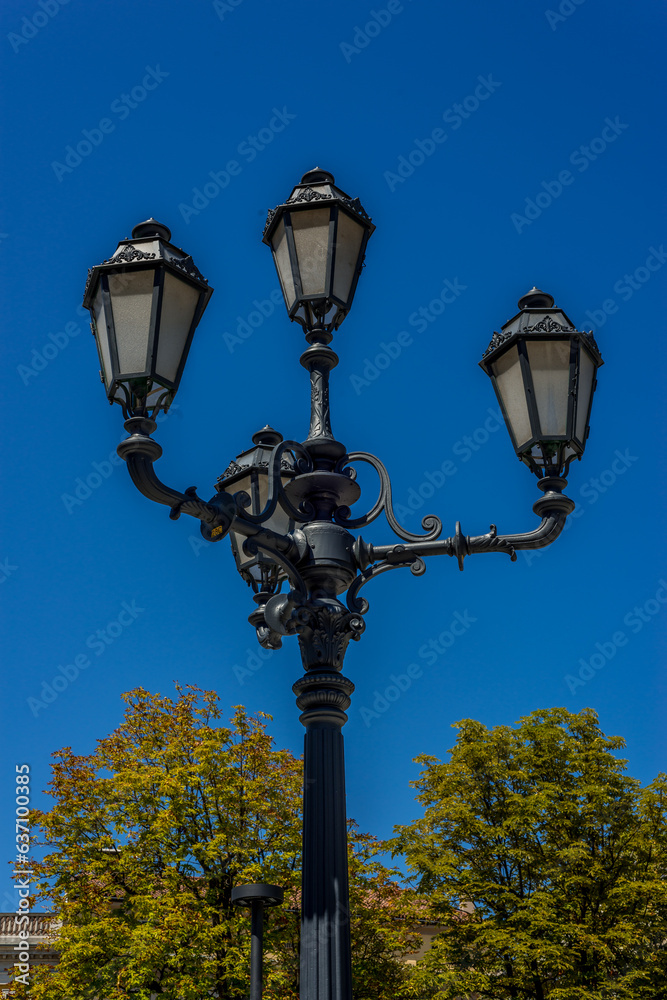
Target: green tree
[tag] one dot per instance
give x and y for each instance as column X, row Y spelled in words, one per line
column 147, row 837
column 563, row 856
column 384, row 918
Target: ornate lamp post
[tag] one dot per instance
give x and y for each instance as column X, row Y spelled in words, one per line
column 286, row 505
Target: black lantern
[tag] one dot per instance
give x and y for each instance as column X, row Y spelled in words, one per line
column 145, row 303
column 544, row 374
column 249, row 473
column 318, row 238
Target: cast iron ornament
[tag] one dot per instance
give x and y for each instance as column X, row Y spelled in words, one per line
column 320, row 559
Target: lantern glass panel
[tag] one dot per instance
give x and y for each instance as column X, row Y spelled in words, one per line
column 311, row 239
column 550, row 368
column 509, row 379
column 237, row 540
column 584, row 392
column 348, row 245
column 131, row 303
column 283, row 265
column 280, row 520
column 257, row 487
column 102, row 335
column 179, row 302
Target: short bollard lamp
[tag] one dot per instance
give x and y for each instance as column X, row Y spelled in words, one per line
column 257, row 896
column 286, row 505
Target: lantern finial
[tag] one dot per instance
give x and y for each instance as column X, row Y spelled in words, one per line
column 535, row 299
column 267, row 436
column 317, row 176
column 151, row 228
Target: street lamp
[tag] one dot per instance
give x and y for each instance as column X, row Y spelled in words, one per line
column 318, row 238
column 543, row 371
column 257, row 896
column 286, row 505
column 145, row 302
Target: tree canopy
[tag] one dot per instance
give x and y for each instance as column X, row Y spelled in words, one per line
column 563, row 856
column 149, row 834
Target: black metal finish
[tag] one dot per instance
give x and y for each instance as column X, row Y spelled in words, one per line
column 312, row 485
column 257, row 896
column 325, row 309
column 545, row 453
column 144, row 390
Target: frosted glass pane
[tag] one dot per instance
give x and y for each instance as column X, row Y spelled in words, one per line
column 585, row 388
column 283, row 266
column 243, row 484
column 550, row 367
column 131, row 301
column 179, row 301
column 509, row 381
column 280, row 520
column 102, row 335
column 348, row 244
column 311, row 239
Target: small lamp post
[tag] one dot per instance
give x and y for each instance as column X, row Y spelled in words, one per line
column 286, row 504
column 257, row 896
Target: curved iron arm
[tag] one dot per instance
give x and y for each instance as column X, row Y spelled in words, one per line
column 217, row 515
column 396, row 559
column 139, row 451
column 553, row 508
column 431, row 524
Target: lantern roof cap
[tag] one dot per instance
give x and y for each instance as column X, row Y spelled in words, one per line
column 148, row 247
column 151, row 227
column 318, row 176
column 267, row 436
column 316, row 186
column 536, row 299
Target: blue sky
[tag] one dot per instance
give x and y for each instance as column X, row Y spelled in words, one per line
column 545, row 171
